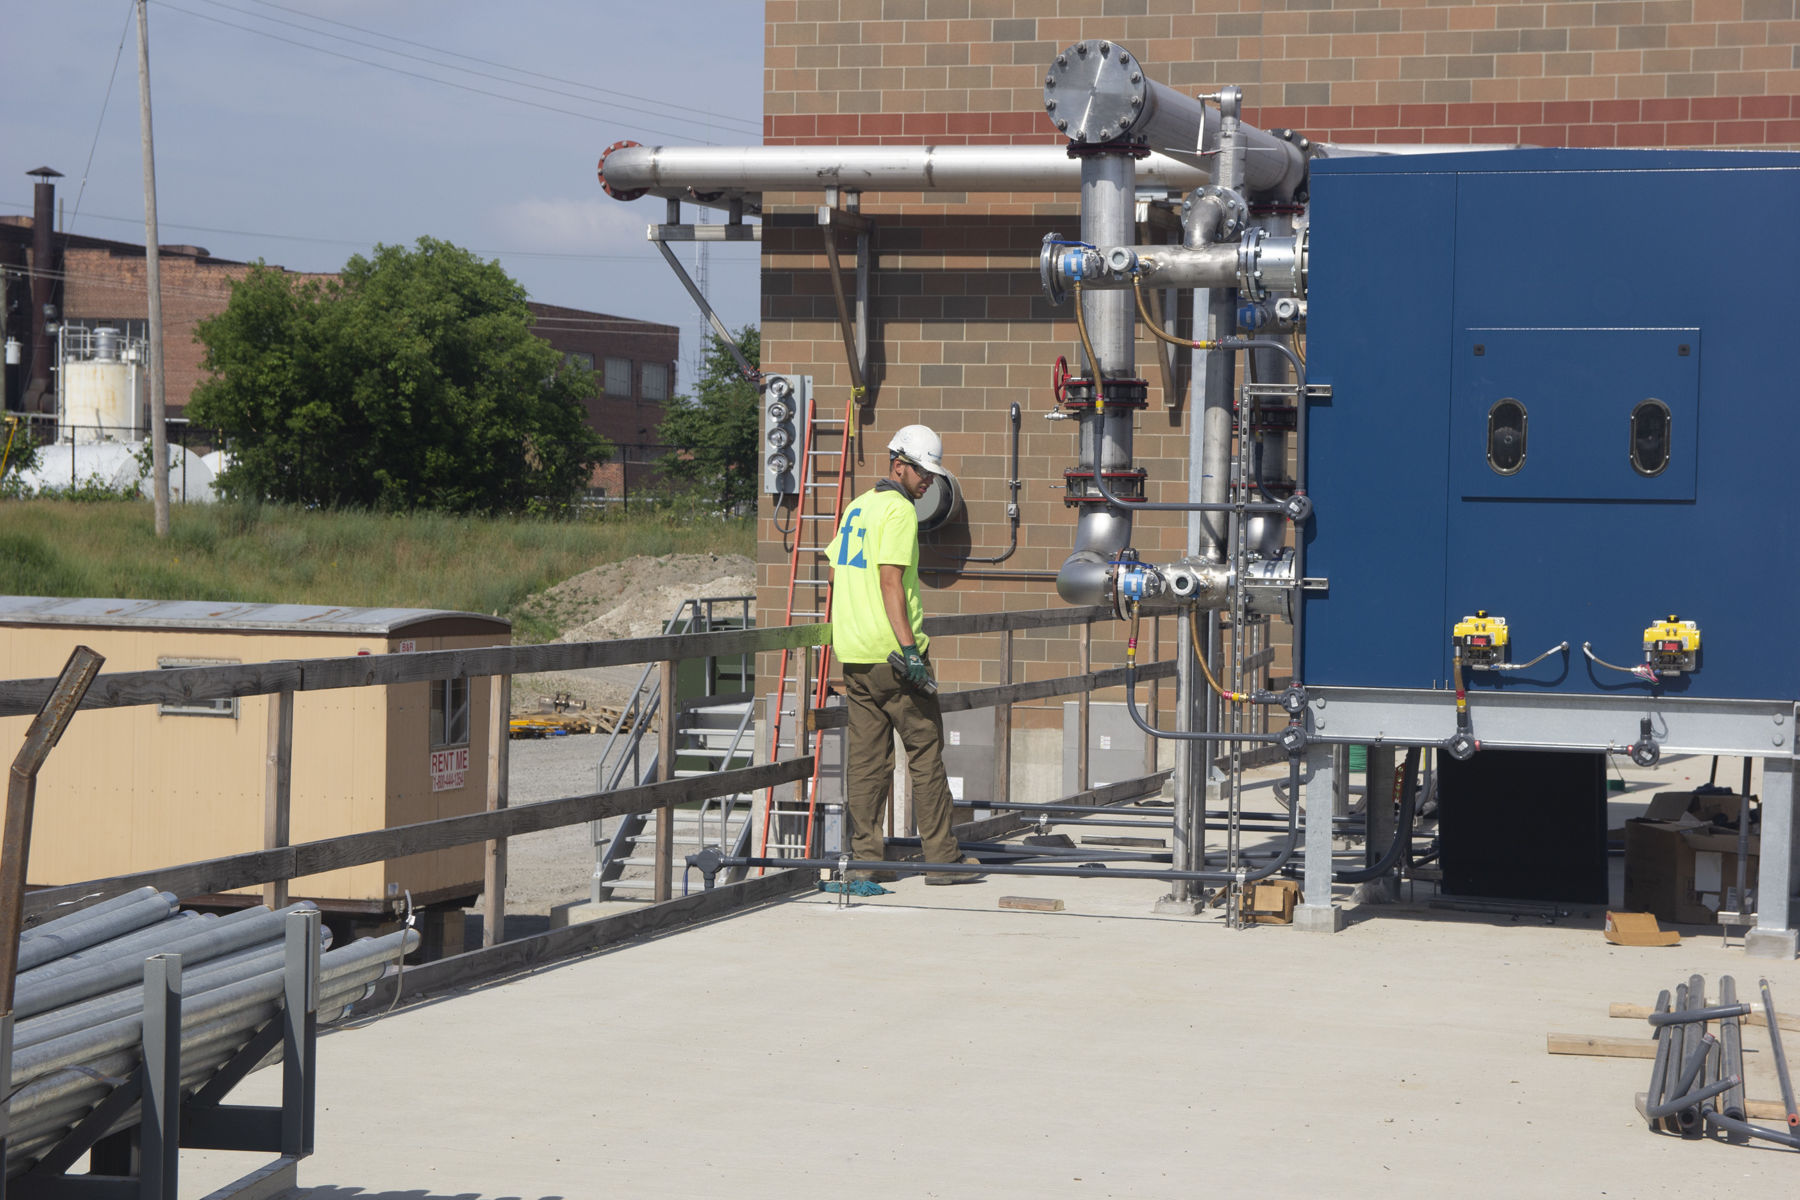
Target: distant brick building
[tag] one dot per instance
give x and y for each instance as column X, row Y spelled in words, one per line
column 960, row 327
column 95, row 282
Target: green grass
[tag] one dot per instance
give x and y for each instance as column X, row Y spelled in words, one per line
column 242, row 552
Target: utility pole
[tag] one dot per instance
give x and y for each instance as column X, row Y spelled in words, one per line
column 159, row 438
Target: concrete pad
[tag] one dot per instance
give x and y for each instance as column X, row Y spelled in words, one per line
column 928, row 1043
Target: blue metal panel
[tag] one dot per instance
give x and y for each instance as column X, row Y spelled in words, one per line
column 1379, row 332
column 1581, row 274
column 1579, row 388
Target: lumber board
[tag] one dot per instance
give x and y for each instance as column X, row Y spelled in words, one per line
column 1031, row 903
column 1641, row 1012
column 524, row 953
column 1602, row 1047
column 312, row 858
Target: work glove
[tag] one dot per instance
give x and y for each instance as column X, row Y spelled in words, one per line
column 916, row 670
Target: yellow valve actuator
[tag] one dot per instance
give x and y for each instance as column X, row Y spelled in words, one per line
column 1672, row 646
column 1482, row 639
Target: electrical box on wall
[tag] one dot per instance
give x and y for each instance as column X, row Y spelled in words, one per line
column 786, row 408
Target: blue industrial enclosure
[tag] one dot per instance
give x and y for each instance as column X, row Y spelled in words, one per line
column 1562, row 393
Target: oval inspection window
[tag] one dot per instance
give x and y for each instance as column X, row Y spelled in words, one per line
column 1650, row 437
column 1506, row 437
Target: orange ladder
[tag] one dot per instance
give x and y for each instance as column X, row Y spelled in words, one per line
column 821, row 499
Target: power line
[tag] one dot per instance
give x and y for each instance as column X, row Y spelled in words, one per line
column 751, row 126
column 130, row 11
column 567, row 112
column 597, row 323
column 481, row 74
column 367, row 243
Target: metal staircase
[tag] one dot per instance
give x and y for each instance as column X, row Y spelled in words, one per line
column 713, row 711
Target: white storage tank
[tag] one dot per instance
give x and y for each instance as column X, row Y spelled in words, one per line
column 62, row 466
column 102, row 387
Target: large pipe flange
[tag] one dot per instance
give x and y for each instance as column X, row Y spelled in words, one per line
column 617, row 193
column 1269, row 265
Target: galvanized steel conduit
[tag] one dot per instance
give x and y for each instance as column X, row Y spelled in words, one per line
column 98, row 923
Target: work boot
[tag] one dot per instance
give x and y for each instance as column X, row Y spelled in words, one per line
column 945, row 878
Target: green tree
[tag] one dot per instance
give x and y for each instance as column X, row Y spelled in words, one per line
column 716, row 432
column 413, row 381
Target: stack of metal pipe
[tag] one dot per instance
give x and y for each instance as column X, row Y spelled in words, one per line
column 1697, row 1079
column 80, row 1001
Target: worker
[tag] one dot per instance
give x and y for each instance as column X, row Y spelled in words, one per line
column 875, row 613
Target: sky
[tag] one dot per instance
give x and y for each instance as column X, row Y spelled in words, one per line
column 301, row 132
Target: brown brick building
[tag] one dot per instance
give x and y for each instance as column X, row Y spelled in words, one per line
column 96, row 282
column 960, row 329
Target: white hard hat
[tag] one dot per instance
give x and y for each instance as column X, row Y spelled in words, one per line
column 918, row 445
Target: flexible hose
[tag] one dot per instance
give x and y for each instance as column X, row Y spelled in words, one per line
column 1093, row 361
column 1642, row 671
column 1194, row 640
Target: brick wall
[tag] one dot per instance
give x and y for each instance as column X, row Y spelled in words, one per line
column 109, row 284
column 105, row 281
column 1633, row 73
column 629, row 422
column 961, row 329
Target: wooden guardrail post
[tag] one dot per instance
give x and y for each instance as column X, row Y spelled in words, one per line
column 278, row 787
column 493, row 876
column 1003, row 727
column 665, row 771
column 803, row 731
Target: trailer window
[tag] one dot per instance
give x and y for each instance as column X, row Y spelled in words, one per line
column 224, row 706
column 449, row 713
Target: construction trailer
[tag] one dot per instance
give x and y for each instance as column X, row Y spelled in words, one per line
column 1466, row 422
column 137, row 788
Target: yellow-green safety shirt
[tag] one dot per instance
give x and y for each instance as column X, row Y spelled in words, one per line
column 880, row 529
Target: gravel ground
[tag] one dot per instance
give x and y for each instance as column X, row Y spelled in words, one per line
column 553, row 866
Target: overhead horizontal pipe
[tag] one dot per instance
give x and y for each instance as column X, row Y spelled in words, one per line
column 628, row 170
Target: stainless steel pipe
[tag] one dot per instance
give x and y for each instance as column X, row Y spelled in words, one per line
column 679, row 172
column 1108, row 217
column 1096, row 92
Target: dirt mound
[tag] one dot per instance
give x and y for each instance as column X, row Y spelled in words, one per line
column 631, row 598
column 636, row 597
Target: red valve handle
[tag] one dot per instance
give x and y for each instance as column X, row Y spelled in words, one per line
column 1059, row 378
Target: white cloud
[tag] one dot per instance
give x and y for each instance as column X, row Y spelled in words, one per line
column 597, row 225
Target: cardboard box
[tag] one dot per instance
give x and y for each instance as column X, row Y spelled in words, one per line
column 1638, row 929
column 1271, row 902
column 1682, row 872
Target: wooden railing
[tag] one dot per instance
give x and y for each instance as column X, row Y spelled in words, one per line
column 278, row 863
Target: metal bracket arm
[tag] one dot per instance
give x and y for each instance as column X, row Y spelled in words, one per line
column 855, row 329
column 706, row 309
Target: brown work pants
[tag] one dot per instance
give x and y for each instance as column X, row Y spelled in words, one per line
column 880, row 703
